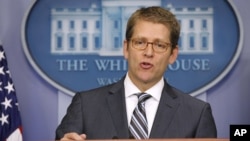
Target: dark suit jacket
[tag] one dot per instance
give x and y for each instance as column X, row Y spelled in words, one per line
column 101, row 114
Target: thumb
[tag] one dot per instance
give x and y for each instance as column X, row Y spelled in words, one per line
column 84, row 136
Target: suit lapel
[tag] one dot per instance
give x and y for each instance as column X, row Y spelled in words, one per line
column 168, row 105
column 166, row 110
column 116, row 105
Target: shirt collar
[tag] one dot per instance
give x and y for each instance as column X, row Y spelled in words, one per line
column 131, row 89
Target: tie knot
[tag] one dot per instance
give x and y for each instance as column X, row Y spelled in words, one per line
column 142, row 97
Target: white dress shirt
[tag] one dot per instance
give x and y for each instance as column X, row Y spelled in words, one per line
column 151, row 105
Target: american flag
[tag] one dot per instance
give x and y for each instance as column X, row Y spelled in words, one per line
column 10, row 120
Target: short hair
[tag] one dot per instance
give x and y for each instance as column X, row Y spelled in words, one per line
column 155, row 14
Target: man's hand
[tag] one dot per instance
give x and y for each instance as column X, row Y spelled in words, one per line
column 73, row 137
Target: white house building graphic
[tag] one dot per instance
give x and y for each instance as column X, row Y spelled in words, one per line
column 101, row 30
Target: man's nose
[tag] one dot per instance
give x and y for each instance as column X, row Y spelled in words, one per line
column 149, row 51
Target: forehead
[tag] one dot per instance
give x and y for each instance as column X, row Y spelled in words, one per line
column 150, row 30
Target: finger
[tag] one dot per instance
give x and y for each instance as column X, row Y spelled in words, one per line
column 71, row 136
column 84, row 136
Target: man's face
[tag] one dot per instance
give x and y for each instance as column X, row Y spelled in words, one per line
column 146, row 67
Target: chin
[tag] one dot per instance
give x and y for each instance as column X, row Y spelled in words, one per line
column 146, row 80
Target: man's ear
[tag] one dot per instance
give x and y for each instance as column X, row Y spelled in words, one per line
column 125, row 49
column 174, row 55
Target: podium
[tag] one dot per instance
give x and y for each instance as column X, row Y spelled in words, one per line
column 177, row 139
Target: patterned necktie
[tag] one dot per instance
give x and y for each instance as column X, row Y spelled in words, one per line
column 138, row 124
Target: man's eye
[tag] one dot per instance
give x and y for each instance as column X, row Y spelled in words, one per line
column 139, row 42
column 160, row 45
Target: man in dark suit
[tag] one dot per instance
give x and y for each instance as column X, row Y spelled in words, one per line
column 107, row 112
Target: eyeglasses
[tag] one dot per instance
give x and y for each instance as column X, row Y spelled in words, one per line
column 142, row 44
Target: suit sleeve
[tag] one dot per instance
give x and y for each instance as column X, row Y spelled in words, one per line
column 206, row 127
column 72, row 121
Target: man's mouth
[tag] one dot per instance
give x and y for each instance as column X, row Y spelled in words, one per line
column 146, row 65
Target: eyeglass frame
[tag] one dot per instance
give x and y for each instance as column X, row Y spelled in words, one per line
column 154, row 45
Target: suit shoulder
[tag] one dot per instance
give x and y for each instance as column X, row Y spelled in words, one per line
column 103, row 90
column 96, row 90
column 186, row 98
